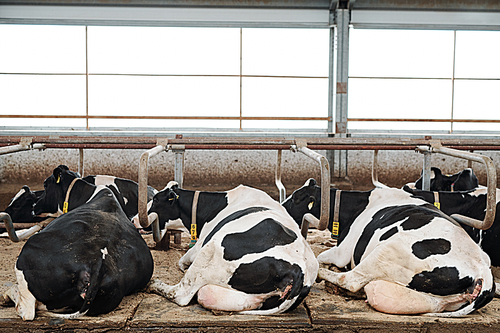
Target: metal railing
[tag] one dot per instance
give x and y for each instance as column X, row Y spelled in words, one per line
column 179, row 144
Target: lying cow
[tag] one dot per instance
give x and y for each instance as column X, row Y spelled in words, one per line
column 409, row 256
column 470, row 204
column 250, row 256
column 83, row 262
column 65, row 190
column 21, row 206
column 460, row 181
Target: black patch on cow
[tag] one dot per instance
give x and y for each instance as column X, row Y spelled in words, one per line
column 261, row 237
column 266, row 275
column 389, row 233
column 430, row 247
column 415, row 217
column 441, row 281
column 234, row 216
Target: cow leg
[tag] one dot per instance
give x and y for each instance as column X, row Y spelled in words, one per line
column 188, row 258
column 224, row 299
column 339, row 256
column 389, row 297
column 383, row 263
column 203, row 270
column 24, row 301
column 349, row 280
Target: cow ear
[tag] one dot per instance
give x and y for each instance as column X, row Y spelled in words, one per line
column 172, row 197
column 57, row 173
column 312, row 201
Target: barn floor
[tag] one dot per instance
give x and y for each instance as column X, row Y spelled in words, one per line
column 322, row 311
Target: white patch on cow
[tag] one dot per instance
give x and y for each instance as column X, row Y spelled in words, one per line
column 21, row 192
column 125, row 200
column 26, row 302
column 97, row 190
column 171, row 184
column 104, row 252
column 411, row 185
column 104, row 180
column 433, row 175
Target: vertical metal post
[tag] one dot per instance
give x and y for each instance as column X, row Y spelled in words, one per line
column 426, row 172
column 342, row 22
column 179, row 163
column 80, row 163
column 277, row 178
column 330, row 154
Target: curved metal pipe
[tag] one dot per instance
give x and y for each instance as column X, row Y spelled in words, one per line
column 375, row 181
column 20, row 147
column 23, row 234
column 277, row 178
column 307, row 219
column 142, row 204
column 9, row 226
column 489, row 217
column 325, row 182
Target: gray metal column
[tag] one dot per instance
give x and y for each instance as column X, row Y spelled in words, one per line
column 338, row 88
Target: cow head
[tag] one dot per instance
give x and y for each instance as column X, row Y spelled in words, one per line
column 21, row 206
column 56, row 186
column 461, row 181
column 166, row 204
column 306, row 199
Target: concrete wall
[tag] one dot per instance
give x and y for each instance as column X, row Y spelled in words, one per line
column 226, row 169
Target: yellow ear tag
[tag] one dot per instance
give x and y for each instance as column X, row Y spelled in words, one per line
column 311, row 204
column 58, row 179
column 65, row 207
column 193, row 232
column 438, row 205
column 335, row 229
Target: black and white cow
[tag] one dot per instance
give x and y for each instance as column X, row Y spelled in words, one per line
column 409, row 256
column 250, row 256
column 460, row 181
column 20, row 208
column 59, row 185
column 83, row 262
column 471, row 204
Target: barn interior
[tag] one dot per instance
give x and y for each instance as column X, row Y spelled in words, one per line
column 447, row 119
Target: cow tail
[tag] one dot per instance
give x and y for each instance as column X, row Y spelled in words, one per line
column 485, row 296
column 94, row 285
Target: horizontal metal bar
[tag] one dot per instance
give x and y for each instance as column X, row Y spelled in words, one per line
column 424, row 78
column 315, row 143
column 176, row 75
column 426, row 120
column 162, row 16
column 15, row 116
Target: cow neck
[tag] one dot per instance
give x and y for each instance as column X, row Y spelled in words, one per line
column 66, row 200
column 437, row 204
column 194, row 208
column 336, row 212
column 356, row 204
